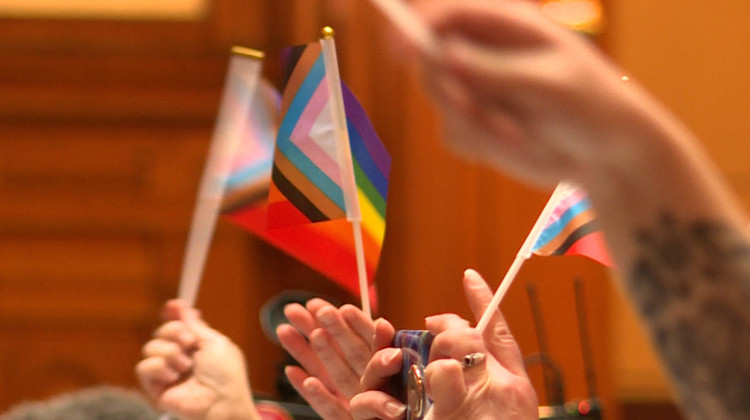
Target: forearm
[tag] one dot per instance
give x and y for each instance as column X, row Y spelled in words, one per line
column 679, row 237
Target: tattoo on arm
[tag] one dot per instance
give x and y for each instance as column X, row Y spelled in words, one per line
column 691, row 282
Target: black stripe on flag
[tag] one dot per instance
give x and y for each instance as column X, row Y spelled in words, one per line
column 296, row 197
column 583, row 230
column 295, row 52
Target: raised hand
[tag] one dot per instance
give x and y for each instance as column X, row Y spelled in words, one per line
column 334, row 358
column 193, row 372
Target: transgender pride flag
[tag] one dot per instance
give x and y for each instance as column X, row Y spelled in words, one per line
column 572, row 229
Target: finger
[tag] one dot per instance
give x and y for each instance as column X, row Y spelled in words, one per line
column 359, row 322
column 497, row 336
column 326, row 404
column 315, row 304
column 376, row 405
column 512, row 25
column 155, row 375
column 197, row 326
column 383, row 336
column 457, row 344
column 354, row 349
column 178, row 332
column 339, row 370
column 487, row 74
column 173, row 309
column 300, row 349
column 383, row 365
column 170, row 351
column 300, row 318
column 443, row 322
column 444, row 381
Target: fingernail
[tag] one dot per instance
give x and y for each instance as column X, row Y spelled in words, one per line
column 472, row 276
column 394, row 409
column 318, row 341
column 375, row 328
column 394, row 353
column 326, row 317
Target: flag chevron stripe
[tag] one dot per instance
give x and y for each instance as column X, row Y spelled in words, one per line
column 296, row 198
column 554, row 243
column 572, row 228
column 300, row 186
column 289, row 58
column 311, row 127
column 557, row 227
column 582, row 231
column 308, row 86
column 317, row 179
column 309, row 57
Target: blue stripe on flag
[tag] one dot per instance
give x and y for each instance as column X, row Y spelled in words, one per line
column 551, row 231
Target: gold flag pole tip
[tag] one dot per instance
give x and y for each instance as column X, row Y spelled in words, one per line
column 248, row 52
column 327, row 32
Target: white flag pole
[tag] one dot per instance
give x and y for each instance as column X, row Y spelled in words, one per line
column 523, row 254
column 241, row 81
column 348, row 183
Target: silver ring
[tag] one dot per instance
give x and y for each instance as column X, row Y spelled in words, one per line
column 473, row 359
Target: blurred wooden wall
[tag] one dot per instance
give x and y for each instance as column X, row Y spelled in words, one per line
column 104, row 126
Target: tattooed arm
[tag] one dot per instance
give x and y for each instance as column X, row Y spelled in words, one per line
column 536, row 101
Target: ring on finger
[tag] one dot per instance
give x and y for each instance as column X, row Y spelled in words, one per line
column 472, row 359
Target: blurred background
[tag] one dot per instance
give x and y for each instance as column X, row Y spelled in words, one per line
column 106, row 112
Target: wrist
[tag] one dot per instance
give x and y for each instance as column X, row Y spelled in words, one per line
column 240, row 408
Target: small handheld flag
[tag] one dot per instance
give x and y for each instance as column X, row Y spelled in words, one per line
column 327, row 197
column 328, row 163
column 566, row 209
column 572, row 229
column 242, row 78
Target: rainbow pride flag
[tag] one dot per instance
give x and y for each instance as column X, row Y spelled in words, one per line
column 572, row 229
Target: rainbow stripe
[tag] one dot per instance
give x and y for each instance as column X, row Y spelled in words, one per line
column 573, row 229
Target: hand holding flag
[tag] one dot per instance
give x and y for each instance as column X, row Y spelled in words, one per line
column 240, row 86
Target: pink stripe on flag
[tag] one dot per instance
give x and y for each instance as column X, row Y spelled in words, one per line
column 565, row 203
column 301, row 134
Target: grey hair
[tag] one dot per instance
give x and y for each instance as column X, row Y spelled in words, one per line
column 99, row 403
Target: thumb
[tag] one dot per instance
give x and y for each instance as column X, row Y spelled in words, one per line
column 497, row 336
column 192, row 318
column 445, row 384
